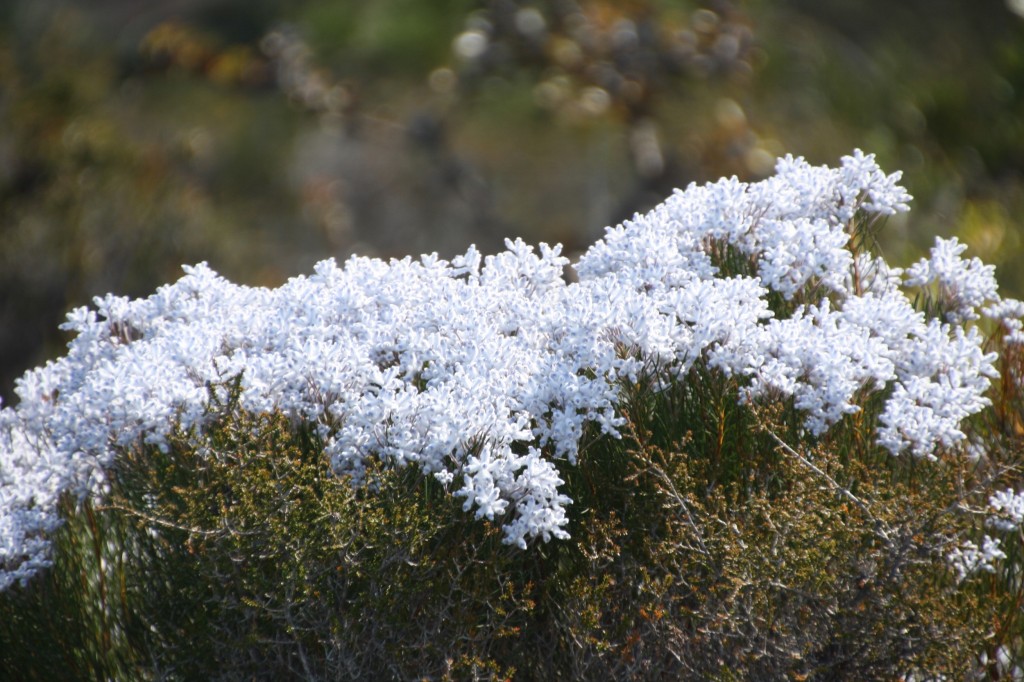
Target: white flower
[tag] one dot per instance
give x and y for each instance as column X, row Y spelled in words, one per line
column 965, row 285
column 1008, row 510
column 1010, row 314
column 969, row 558
column 458, row 368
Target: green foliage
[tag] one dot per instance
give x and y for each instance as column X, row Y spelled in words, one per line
column 713, row 541
column 70, row 623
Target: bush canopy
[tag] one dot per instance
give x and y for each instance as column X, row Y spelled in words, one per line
column 728, row 442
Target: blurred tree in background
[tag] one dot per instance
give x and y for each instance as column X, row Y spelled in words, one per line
column 262, row 136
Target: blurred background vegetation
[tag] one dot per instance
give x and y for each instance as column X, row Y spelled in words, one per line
column 264, row 135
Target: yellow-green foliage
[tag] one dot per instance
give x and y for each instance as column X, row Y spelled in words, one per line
column 711, row 542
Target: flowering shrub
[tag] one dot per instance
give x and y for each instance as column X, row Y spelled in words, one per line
column 496, row 381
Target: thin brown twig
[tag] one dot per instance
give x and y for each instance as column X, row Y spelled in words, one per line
column 785, row 447
column 163, row 523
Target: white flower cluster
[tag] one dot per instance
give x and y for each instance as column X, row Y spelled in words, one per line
column 964, row 285
column 1006, row 515
column 1007, row 509
column 969, row 558
column 1010, row 314
column 483, row 372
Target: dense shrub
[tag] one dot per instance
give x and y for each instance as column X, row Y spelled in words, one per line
column 667, row 480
